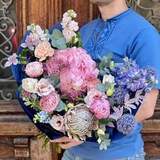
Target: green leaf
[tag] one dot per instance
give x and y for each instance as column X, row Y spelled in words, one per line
column 45, row 139
column 104, row 121
column 61, row 106
column 57, row 39
column 23, row 56
column 32, row 103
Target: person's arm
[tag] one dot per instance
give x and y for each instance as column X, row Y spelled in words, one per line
column 146, row 52
column 147, row 108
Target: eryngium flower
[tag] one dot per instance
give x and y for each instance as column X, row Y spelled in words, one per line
column 126, row 124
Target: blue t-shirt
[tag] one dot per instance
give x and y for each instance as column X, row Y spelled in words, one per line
column 127, row 34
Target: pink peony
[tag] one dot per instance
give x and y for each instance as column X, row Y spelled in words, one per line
column 76, row 69
column 34, row 69
column 50, row 102
column 44, row 87
column 98, row 104
column 43, row 50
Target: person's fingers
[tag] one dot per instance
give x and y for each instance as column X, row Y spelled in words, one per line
column 69, row 145
column 64, row 146
column 62, row 139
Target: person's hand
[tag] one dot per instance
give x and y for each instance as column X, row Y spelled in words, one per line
column 66, row 142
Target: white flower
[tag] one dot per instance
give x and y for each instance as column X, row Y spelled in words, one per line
column 41, row 33
column 44, row 87
column 29, row 85
column 11, row 60
column 68, row 34
column 73, row 25
column 38, row 31
column 108, row 79
column 31, row 41
column 65, row 21
column 72, row 13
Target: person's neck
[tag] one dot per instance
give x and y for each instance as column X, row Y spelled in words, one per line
column 112, row 9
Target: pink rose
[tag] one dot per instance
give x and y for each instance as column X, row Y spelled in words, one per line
column 50, row 102
column 44, row 87
column 43, row 50
column 34, row 69
column 98, row 104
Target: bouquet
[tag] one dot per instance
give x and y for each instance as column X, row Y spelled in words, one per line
column 72, row 93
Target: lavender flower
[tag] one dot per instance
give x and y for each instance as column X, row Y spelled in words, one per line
column 12, row 60
column 126, row 124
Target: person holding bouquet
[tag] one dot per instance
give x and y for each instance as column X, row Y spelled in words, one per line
column 123, row 32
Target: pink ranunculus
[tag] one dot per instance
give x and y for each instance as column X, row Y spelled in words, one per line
column 50, row 102
column 98, row 104
column 77, row 71
column 43, row 50
column 34, row 69
column 44, row 87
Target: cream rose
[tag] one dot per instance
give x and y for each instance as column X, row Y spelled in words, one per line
column 29, row 85
column 43, row 50
column 44, row 87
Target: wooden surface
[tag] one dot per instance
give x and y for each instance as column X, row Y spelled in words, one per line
column 17, row 134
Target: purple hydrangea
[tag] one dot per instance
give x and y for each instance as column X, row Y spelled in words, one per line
column 126, row 124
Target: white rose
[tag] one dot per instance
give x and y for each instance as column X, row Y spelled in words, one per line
column 44, row 87
column 108, row 79
column 29, row 85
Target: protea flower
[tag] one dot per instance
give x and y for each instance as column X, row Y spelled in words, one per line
column 79, row 122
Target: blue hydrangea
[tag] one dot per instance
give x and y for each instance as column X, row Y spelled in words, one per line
column 126, row 124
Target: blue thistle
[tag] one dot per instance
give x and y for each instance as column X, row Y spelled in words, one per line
column 126, row 124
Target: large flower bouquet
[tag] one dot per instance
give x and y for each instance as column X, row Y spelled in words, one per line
column 71, row 92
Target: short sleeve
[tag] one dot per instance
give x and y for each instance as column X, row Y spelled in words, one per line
column 145, row 50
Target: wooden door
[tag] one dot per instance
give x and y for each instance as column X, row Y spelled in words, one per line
column 17, row 134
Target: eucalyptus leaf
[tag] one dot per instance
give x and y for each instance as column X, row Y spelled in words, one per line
column 101, row 87
column 54, row 80
column 57, row 39
column 61, row 106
